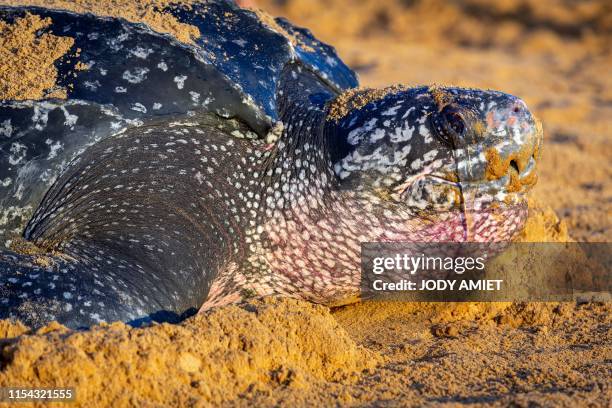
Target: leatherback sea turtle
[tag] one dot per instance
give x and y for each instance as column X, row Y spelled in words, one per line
column 176, row 177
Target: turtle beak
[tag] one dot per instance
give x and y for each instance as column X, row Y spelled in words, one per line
column 500, row 156
column 497, row 166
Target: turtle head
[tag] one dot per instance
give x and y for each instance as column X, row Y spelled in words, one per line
column 438, row 152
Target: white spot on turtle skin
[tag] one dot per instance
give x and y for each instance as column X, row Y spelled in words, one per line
column 355, row 135
column 195, row 97
column 53, row 148
column 163, row 66
column 41, row 115
column 405, row 115
column 6, row 129
column 426, row 134
column 96, row 317
column 71, row 120
column 92, row 86
column 141, row 53
column 391, row 111
column 157, row 106
column 275, row 133
column 6, row 182
column 377, row 135
column 180, row 81
column 47, row 177
column 240, row 42
column 120, row 89
column 331, row 61
column 13, row 212
column 19, row 193
column 139, row 107
column 136, row 76
column 430, row 155
column 18, row 153
column 207, row 101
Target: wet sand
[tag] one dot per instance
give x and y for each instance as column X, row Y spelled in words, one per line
column 554, row 54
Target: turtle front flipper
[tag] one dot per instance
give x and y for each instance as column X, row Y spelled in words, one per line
column 135, row 230
column 37, row 141
column 40, row 288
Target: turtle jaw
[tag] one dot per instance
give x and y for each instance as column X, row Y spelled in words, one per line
column 442, row 191
column 444, row 209
column 500, row 152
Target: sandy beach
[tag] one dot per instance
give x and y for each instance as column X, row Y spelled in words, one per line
column 557, row 56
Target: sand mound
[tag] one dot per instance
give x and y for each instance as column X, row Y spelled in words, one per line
column 211, row 358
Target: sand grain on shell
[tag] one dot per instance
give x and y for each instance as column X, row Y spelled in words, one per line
column 137, row 11
column 271, row 23
column 27, row 57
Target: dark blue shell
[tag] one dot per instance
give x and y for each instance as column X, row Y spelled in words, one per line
column 253, row 55
column 233, row 68
column 135, row 75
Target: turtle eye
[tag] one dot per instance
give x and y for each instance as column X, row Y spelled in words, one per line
column 455, row 121
column 449, row 125
column 439, row 125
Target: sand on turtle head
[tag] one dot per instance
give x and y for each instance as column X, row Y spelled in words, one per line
column 440, row 96
column 357, row 98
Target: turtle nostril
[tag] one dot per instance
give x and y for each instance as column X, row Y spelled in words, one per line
column 516, row 109
column 514, row 165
